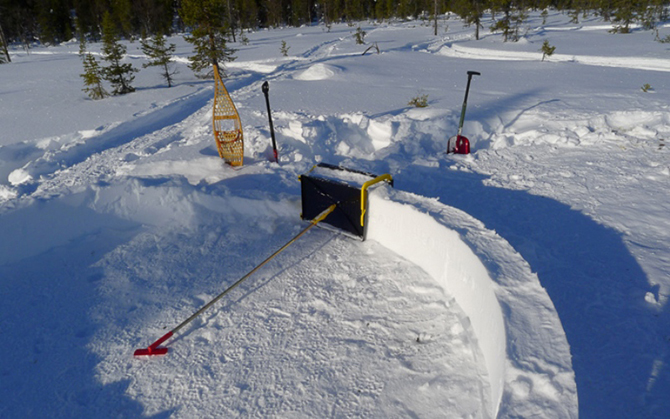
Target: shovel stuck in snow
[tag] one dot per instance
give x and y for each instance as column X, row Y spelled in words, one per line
column 459, row 144
column 321, row 197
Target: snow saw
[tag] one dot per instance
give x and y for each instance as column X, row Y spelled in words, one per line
column 330, row 194
column 459, row 144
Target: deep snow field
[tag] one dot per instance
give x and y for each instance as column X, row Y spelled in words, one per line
column 118, row 220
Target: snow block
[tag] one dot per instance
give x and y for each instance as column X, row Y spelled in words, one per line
column 524, row 348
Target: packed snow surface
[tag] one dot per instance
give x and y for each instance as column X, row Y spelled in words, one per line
column 528, row 279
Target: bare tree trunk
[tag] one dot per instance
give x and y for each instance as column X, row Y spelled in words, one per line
column 3, row 42
column 231, row 23
column 435, row 30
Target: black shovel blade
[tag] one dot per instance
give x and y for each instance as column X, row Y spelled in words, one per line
column 318, row 194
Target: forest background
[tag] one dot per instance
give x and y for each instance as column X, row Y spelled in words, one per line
column 55, row 21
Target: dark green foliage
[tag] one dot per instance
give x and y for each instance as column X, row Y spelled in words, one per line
column 206, row 20
column 55, row 21
column 53, row 17
column 419, row 101
column 513, row 16
column 120, row 75
column 93, row 78
column 160, row 55
column 471, row 11
column 284, row 49
column 82, row 39
column 547, row 50
column 359, row 35
column 122, row 15
column 624, row 14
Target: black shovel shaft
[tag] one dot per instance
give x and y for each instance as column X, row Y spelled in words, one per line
column 266, row 91
column 465, row 100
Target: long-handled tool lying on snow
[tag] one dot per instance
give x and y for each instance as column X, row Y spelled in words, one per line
column 321, row 196
column 155, row 349
column 459, row 144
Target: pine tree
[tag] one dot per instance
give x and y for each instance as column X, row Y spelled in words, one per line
column 248, row 14
column 93, row 78
column 208, row 35
column 53, row 19
column 625, row 13
column 122, row 15
column 118, row 74
column 472, row 12
column 82, row 38
column 513, row 16
column 160, row 55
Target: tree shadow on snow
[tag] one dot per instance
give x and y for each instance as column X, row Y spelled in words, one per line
column 598, row 289
column 49, row 287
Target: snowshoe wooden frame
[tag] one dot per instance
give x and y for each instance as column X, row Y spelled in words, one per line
column 229, row 143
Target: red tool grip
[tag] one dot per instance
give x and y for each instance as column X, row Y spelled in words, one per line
column 153, row 349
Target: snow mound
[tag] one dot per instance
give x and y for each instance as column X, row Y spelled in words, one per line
column 19, row 176
column 318, row 72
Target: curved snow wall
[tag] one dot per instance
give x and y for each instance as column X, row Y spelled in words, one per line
column 515, row 324
column 421, row 239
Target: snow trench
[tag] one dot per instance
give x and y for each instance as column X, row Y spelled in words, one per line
column 492, row 283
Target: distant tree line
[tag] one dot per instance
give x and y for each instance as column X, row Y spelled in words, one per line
column 55, row 21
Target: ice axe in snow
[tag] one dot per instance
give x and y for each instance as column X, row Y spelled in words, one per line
column 459, row 144
column 266, row 91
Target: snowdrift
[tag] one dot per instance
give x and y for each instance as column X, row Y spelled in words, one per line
column 494, row 286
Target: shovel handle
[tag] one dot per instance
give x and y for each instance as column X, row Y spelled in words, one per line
column 266, row 90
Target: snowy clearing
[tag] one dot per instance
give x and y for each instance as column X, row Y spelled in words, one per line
column 530, row 278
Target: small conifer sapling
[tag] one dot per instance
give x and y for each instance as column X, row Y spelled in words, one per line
column 360, row 36
column 120, row 75
column 93, row 78
column 160, row 55
column 547, row 50
column 284, row 49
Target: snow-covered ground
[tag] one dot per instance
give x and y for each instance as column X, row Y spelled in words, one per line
column 118, row 220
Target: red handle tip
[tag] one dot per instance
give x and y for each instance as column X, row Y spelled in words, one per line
column 150, row 352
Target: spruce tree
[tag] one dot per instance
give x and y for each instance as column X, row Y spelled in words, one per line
column 122, row 15
column 93, row 78
column 160, row 55
column 472, row 12
column 119, row 75
column 82, row 38
column 208, row 35
column 625, row 14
